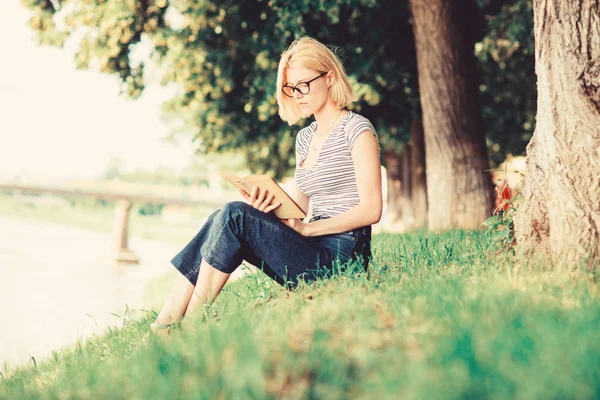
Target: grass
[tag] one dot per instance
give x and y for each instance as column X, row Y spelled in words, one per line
column 439, row 316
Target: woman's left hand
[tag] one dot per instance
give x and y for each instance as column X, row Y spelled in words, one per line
column 296, row 225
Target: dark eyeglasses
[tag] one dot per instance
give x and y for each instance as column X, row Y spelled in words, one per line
column 302, row 87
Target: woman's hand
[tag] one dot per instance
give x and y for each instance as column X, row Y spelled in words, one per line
column 260, row 200
column 296, row 225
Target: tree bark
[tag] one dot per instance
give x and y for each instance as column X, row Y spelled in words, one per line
column 460, row 193
column 407, row 199
column 393, row 166
column 560, row 210
column 418, row 177
column 408, row 218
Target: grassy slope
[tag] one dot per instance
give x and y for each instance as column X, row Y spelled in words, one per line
column 439, row 317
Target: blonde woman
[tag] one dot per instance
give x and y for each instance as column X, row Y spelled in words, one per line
column 337, row 173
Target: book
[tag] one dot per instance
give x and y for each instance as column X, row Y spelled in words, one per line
column 288, row 208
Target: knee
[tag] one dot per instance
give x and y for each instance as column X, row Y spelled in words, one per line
column 212, row 216
column 233, row 208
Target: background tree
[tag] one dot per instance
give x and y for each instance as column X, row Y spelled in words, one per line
column 223, row 56
column 407, row 183
column 456, row 155
column 560, row 211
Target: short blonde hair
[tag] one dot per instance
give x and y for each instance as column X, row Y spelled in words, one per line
column 309, row 53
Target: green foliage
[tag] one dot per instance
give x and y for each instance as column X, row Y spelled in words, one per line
column 159, row 176
column 42, row 21
column 150, row 209
column 500, row 226
column 501, row 229
column 233, row 49
column 223, row 56
column 197, row 172
column 508, row 87
column 440, row 316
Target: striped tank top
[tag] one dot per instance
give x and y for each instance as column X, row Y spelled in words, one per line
column 331, row 183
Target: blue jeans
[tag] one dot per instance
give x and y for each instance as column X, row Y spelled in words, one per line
column 240, row 232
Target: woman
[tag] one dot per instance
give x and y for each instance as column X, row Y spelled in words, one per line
column 337, row 170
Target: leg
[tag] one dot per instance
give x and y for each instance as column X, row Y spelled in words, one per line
column 209, row 285
column 240, row 232
column 199, row 282
column 237, row 232
column 179, row 297
column 176, row 302
column 211, row 281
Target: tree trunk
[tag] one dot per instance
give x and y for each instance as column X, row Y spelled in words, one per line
column 460, row 193
column 407, row 200
column 395, row 199
column 560, row 211
column 408, row 218
column 418, row 177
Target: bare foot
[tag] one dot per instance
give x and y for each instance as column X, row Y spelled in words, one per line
column 161, row 331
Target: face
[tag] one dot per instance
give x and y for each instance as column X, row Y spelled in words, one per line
column 317, row 95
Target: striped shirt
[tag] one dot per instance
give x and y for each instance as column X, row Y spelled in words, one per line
column 331, row 183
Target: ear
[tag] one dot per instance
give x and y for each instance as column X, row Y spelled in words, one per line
column 330, row 78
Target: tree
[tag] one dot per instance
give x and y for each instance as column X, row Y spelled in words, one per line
column 407, row 185
column 223, row 55
column 508, row 88
column 459, row 190
column 560, row 210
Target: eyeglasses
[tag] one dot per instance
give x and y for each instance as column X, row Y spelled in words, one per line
column 302, row 87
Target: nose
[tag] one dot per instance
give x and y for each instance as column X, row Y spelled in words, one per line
column 297, row 94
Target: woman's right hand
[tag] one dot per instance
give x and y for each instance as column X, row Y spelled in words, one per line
column 261, row 200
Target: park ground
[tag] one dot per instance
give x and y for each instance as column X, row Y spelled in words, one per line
column 449, row 315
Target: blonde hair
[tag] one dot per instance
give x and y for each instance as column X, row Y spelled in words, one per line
column 309, row 53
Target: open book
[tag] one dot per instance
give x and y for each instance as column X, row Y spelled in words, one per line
column 288, row 207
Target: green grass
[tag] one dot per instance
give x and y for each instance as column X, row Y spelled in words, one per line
column 439, row 316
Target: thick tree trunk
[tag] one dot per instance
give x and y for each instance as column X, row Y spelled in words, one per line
column 418, row 177
column 395, row 201
column 560, row 211
column 460, row 193
column 408, row 218
column 407, row 199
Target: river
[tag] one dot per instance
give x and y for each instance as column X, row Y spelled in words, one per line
column 59, row 284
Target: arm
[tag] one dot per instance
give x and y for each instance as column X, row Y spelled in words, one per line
column 365, row 157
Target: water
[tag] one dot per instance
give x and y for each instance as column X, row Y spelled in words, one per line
column 59, row 284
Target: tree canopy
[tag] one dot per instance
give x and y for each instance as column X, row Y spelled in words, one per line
column 508, row 82
column 223, row 57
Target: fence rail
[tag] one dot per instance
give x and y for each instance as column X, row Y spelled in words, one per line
column 123, row 203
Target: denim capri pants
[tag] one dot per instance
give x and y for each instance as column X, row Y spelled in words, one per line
column 239, row 232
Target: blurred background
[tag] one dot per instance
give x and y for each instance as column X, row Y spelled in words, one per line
column 116, row 116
